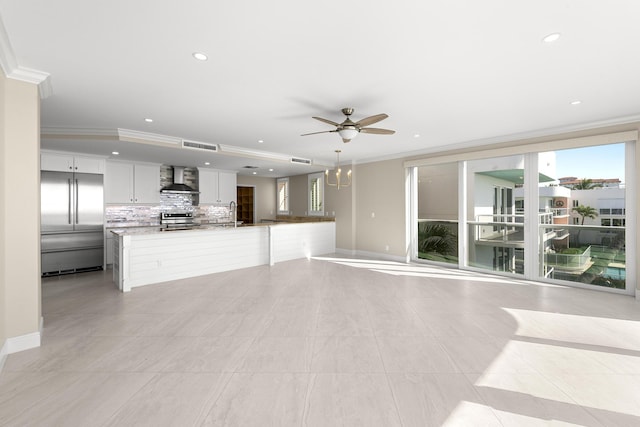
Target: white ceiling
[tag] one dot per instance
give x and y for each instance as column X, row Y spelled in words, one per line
column 456, row 72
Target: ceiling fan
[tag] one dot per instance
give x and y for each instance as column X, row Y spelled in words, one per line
column 350, row 129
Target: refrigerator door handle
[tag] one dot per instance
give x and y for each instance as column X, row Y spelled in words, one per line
column 76, row 211
column 70, row 196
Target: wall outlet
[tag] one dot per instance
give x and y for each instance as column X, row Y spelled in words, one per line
column 386, row 248
column 373, row 214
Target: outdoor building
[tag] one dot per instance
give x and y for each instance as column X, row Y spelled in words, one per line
column 573, row 181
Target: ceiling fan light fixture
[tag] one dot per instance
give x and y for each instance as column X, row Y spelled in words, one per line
column 348, row 133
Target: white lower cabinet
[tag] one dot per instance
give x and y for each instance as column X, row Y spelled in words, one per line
column 108, row 248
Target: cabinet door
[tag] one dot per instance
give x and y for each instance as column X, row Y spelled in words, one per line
column 118, row 183
column 227, row 187
column 88, row 165
column 208, row 186
column 146, row 184
column 56, row 162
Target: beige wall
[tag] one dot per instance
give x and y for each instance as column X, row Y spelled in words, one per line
column 636, row 167
column 380, row 190
column 265, row 196
column 298, row 200
column 20, row 253
column 3, row 204
column 340, row 203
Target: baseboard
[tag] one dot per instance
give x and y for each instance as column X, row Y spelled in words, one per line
column 3, row 355
column 348, row 252
column 23, row 342
column 20, row 343
column 382, row 256
column 374, row 255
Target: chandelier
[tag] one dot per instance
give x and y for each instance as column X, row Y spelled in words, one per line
column 338, row 173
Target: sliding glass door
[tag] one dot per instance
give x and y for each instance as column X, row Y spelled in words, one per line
column 437, row 222
column 585, row 241
column 558, row 216
column 495, row 238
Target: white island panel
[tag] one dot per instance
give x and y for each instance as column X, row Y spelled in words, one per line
column 302, row 240
column 153, row 258
column 147, row 256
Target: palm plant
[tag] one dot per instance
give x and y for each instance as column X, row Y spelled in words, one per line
column 585, row 184
column 585, row 212
column 437, row 238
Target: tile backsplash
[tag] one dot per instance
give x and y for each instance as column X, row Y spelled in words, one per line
column 142, row 215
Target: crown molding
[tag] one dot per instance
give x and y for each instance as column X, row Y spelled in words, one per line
column 75, row 133
column 258, row 154
column 13, row 70
column 148, row 138
column 561, row 132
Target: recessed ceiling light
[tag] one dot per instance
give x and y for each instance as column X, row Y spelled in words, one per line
column 207, row 163
column 148, row 120
column 200, row 56
column 416, row 135
column 551, row 38
column 115, row 153
column 260, row 141
column 271, row 170
column 255, row 173
column 576, row 102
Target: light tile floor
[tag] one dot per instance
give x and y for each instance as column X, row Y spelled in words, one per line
column 327, row 342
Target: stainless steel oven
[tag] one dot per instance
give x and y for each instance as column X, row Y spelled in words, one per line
column 177, row 221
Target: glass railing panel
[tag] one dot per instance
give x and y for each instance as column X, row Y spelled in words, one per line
column 438, row 240
column 586, row 254
column 496, row 246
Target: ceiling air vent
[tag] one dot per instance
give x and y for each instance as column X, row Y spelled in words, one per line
column 300, row 161
column 199, row 145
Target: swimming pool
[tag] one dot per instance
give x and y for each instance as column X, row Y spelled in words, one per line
column 615, row 273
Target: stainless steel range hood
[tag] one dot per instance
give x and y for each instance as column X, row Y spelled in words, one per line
column 178, row 186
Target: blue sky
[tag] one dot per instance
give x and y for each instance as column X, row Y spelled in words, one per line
column 603, row 161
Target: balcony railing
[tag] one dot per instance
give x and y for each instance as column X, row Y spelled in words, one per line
column 568, row 262
column 586, row 254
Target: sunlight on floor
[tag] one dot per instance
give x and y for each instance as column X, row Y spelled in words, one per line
column 563, row 362
column 570, row 328
column 413, row 270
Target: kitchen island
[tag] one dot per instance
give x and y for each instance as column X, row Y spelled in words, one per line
column 144, row 256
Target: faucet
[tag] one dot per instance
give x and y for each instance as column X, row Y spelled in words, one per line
column 233, row 213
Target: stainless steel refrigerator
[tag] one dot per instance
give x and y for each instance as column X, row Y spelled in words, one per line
column 71, row 227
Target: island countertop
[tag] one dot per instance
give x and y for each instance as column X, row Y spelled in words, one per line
column 150, row 229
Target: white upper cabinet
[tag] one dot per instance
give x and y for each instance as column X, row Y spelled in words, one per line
column 132, row 183
column 61, row 162
column 216, row 186
column 146, row 180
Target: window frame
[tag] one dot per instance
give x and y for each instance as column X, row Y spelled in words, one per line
column 285, row 200
column 319, row 176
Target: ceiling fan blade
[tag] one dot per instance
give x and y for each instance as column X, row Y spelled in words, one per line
column 314, row 133
column 378, row 131
column 371, row 120
column 326, row 121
